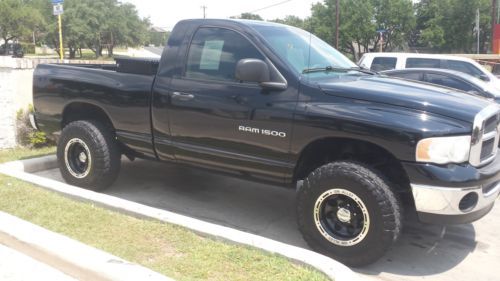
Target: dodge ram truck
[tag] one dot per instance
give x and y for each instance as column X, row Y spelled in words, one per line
column 272, row 103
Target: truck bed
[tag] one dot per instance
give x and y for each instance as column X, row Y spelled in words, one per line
column 122, row 91
column 141, row 66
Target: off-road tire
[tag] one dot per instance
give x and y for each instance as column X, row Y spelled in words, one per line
column 104, row 154
column 385, row 213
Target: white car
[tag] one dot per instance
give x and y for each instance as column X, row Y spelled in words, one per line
column 387, row 61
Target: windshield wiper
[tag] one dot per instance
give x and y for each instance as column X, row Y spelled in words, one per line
column 337, row 69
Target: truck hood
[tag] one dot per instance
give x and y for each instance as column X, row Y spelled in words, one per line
column 406, row 93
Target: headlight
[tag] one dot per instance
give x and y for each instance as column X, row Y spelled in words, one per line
column 444, row 150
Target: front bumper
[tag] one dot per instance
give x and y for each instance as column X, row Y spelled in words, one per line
column 453, row 205
column 453, row 194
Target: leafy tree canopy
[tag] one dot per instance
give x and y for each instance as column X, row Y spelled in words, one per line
column 248, row 16
column 17, row 19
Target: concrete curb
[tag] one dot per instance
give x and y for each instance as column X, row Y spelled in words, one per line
column 67, row 255
column 328, row 266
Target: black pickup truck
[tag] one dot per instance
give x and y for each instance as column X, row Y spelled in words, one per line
column 273, row 103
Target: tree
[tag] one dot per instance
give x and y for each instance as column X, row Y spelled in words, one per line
column 357, row 29
column 99, row 25
column 44, row 7
column 448, row 25
column 80, row 25
column 248, row 16
column 359, row 21
column 397, row 19
column 292, row 21
column 17, row 19
column 125, row 28
column 157, row 37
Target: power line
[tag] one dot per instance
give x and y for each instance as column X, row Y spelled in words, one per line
column 270, row 6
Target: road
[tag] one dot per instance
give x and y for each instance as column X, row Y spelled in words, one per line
column 453, row 253
column 154, row 50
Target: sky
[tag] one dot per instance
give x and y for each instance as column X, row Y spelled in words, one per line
column 166, row 14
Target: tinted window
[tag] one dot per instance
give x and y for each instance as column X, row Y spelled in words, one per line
column 464, row 67
column 449, row 82
column 381, row 64
column 410, row 76
column 214, row 53
column 422, row 63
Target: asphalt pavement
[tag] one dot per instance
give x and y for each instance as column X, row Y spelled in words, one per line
column 154, row 50
column 453, row 253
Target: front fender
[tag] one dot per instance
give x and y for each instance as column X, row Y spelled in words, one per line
column 396, row 129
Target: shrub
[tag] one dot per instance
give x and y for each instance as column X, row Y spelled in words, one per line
column 28, row 48
column 27, row 135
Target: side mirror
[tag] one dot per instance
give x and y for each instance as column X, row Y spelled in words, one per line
column 252, row 70
column 484, row 77
column 255, row 70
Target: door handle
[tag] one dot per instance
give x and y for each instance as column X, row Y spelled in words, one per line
column 182, row 96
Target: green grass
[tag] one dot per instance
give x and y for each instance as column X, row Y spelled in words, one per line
column 24, row 153
column 168, row 249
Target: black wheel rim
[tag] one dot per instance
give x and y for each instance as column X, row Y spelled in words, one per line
column 341, row 217
column 334, row 214
column 77, row 158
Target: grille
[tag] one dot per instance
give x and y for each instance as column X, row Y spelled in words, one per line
column 489, row 136
column 487, row 149
column 485, row 136
column 490, row 125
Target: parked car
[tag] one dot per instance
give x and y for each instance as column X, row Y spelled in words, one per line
column 448, row 78
column 14, row 50
column 388, row 61
column 271, row 103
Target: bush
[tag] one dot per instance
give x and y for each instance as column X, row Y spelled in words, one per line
column 27, row 135
column 28, row 48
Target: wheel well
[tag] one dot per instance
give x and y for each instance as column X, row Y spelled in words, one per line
column 328, row 150
column 85, row 111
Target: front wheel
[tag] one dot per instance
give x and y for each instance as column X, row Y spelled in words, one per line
column 88, row 155
column 348, row 212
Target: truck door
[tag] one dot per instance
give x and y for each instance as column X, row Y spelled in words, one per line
column 221, row 123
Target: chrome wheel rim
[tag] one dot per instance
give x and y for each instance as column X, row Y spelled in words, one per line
column 341, row 217
column 77, row 158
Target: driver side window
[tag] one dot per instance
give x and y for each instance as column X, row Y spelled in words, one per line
column 214, row 53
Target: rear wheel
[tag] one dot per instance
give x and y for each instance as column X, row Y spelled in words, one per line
column 88, row 155
column 348, row 212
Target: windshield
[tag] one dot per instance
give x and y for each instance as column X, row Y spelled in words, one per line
column 292, row 44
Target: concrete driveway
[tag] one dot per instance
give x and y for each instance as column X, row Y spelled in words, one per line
column 464, row 252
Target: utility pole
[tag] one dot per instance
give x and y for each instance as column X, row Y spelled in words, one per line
column 58, row 10
column 204, row 8
column 337, row 19
column 381, row 42
column 478, row 29
column 493, row 22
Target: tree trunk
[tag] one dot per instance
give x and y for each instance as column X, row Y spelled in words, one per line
column 110, row 50
column 111, row 46
column 72, row 52
column 359, row 47
column 56, row 43
column 5, row 44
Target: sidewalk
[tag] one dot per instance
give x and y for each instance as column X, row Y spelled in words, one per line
column 72, row 257
column 15, row 266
